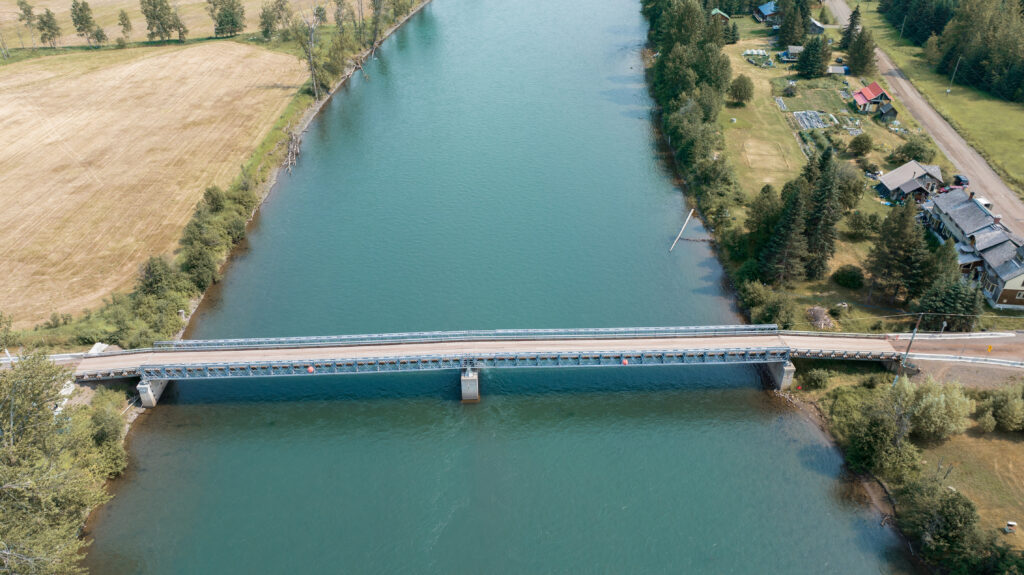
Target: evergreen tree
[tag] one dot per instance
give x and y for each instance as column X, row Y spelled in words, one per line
column 899, row 260
column 782, row 259
column 822, row 217
column 862, row 54
column 953, row 302
column 851, row 29
column 945, row 263
column 813, row 61
column 762, row 217
column 49, row 30
column 793, row 28
column 735, row 33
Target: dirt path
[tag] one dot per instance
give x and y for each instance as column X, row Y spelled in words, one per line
column 984, row 180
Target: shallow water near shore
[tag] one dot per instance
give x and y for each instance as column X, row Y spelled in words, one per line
column 496, row 167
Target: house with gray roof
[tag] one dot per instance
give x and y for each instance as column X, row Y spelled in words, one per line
column 912, row 179
column 986, row 249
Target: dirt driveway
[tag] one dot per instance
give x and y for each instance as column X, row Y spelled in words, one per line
column 984, row 180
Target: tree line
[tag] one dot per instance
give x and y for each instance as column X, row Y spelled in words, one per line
column 980, row 41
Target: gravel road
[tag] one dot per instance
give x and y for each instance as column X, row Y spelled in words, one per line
column 984, row 180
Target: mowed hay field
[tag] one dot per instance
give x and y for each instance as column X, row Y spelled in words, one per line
column 106, row 154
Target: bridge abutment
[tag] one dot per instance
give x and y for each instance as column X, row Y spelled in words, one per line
column 777, row 374
column 470, row 386
column 150, row 391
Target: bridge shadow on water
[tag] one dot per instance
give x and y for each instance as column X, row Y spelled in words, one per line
column 445, row 384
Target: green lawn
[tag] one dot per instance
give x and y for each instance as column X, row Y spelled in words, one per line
column 991, row 125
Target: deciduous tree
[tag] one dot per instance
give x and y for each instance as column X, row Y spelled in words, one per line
column 126, row 24
column 49, row 30
column 82, row 20
column 742, row 89
column 228, row 16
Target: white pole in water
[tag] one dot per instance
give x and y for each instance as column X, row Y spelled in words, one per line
column 690, row 215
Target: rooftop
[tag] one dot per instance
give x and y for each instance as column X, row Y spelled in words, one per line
column 767, row 9
column 908, row 172
column 872, row 91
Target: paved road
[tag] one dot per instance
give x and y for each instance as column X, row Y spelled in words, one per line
column 178, row 357
column 984, row 180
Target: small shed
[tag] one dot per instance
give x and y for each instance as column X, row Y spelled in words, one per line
column 792, row 53
column 720, row 16
column 839, row 70
column 886, row 112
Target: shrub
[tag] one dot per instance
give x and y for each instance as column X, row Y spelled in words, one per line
column 875, row 380
column 940, row 410
column 916, row 148
column 987, row 422
column 859, row 225
column 769, row 306
column 860, row 145
column 120, row 43
column 789, row 91
column 816, row 379
column 849, row 276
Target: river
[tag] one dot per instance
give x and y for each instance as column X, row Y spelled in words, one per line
column 495, row 167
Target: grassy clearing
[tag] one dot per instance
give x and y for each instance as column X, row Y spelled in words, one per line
column 990, row 125
column 86, row 205
column 989, row 469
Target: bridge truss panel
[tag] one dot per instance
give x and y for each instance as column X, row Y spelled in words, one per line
column 454, row 362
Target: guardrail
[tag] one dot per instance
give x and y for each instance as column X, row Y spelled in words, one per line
column 467, row 335
column 966, row 359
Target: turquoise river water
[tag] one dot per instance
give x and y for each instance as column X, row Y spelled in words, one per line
column 496, row 167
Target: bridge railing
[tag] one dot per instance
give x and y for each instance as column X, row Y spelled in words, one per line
column 467, row 335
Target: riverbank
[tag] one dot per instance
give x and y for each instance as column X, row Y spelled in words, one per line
column 292, row 139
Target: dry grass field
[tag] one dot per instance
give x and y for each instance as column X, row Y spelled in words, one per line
column 105, row 155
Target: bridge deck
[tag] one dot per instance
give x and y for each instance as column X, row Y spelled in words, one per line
column 802, row 344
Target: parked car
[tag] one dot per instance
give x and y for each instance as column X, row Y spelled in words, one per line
column 961, row 180
column 839, row 60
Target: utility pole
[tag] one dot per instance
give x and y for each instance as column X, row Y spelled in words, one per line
column 899, row 369
column 953, row 77
column 904, row 25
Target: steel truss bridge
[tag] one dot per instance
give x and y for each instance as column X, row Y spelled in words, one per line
column 470, row 351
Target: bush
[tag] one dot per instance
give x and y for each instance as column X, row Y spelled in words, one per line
column 789, row 91
column 859, row 225
column 940, row 410
column 860, row 145
column 987, row 422
column 816, row 379
column 768, row 306
column 849, row 276
column 120, row 42
column 916, row 148
column 875, row 380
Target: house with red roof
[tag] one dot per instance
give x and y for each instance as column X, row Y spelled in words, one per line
column 870, row 98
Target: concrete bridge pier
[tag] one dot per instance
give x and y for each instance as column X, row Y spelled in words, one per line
column 777, row 374
column 470, row 385
column 150, row 391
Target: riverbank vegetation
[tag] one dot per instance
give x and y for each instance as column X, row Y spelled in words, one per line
column 897, row 432
column 54, row 460
column 167, row 287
